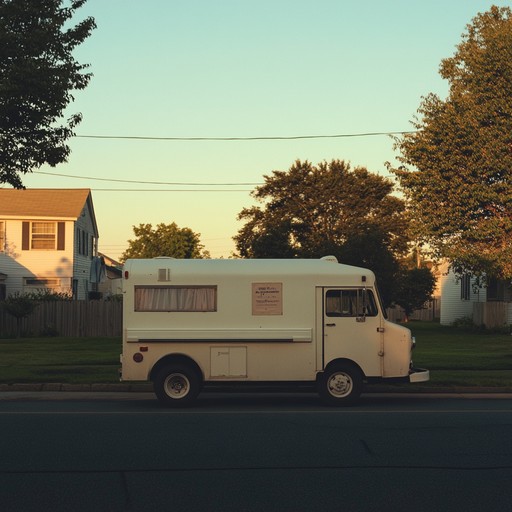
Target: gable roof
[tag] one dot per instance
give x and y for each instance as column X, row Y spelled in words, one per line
column 57, row 203
column 61, row 203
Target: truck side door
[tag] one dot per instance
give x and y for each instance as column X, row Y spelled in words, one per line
column 352, row 328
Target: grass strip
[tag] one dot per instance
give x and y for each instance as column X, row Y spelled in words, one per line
column 456, row 357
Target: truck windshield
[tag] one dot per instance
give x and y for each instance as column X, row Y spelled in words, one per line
column 381, row 305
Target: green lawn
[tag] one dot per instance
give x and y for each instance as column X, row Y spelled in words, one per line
column 454, row 356
column 461, row 357
column 60, row 360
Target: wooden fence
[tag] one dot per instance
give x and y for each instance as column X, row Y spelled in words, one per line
column 430, row 312
column 67, row 318
column 104, row 318
column 491, row 314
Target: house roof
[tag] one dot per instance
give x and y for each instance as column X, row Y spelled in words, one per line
column 56, row 203
column 109, row 262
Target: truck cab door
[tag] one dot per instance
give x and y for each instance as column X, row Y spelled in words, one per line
column 352, row 328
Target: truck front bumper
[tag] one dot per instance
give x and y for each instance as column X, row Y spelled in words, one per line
column 419, row 375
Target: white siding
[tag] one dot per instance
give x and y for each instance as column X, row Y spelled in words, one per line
column 452, row 306
column 82, row 262
column 63, row 265
column 20, row 264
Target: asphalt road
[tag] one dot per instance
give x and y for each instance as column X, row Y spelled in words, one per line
column 236, row 452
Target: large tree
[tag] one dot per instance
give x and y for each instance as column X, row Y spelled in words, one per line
column 370, row 250
column 457, row 167
column 164, row 240
column 310, row 211
column 37, row 77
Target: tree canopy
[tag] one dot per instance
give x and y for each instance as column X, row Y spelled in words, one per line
column 164, row 240
column 456, row 168
column 37, row 76
column 310, row 211
column 415, row 288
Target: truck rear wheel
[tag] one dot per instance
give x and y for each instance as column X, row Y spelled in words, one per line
column 341, row 384
column 177, row 385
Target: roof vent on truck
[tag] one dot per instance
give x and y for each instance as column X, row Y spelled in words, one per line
column 331, row 259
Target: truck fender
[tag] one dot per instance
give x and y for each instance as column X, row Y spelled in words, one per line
column 341, row 360
column 174, row 359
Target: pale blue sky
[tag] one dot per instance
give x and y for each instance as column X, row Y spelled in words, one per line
column 226, row 68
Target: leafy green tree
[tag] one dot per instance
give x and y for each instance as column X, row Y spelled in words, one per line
column 37, row 76
column 264, row 238
column 456, row 168
column 415, row 288
column 310, row 211
column 20, row 306
column 164, row 240
column 369, row 250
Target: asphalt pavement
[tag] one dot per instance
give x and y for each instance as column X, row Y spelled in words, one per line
column 282, row 452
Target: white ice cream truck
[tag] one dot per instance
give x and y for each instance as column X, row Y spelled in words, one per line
column 192, row 323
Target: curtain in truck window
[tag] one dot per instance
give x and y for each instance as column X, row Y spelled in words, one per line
column 176, row 298
column 351, row 303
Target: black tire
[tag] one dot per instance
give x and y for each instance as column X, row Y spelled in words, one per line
column 177, row 385
column 340, row 384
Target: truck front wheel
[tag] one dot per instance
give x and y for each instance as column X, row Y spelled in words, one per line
column 176, row 385
column 341, row 384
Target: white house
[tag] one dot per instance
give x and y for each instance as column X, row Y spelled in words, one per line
column 48, row 239
column 113, row 283
column 458, row 294
column 462, row 297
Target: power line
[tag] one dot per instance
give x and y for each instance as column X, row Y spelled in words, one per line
column 291, row 137
column 190, row 184
column 168, row 190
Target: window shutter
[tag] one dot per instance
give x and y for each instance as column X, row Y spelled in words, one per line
column 61, row 236
column 25, row 236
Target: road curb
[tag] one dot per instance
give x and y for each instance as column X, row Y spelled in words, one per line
column 101, row 387
column 144, row 387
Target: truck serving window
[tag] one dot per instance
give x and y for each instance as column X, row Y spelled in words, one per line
column 176, row 298
column 355, row 303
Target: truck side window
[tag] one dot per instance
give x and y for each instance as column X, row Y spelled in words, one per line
column 350, row 303
column 176, row 298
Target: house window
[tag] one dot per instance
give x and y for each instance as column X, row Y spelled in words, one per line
column 498, row 290
column 465, row 287
column 2, row 236
column 176, row 298
column 83, row 242
column 86, row 243
column 41, row 283
column 45, row 236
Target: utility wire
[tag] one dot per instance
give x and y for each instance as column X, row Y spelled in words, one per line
column 167, row 190
column 131, row 137
column 292, row 137
column 190, row 184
